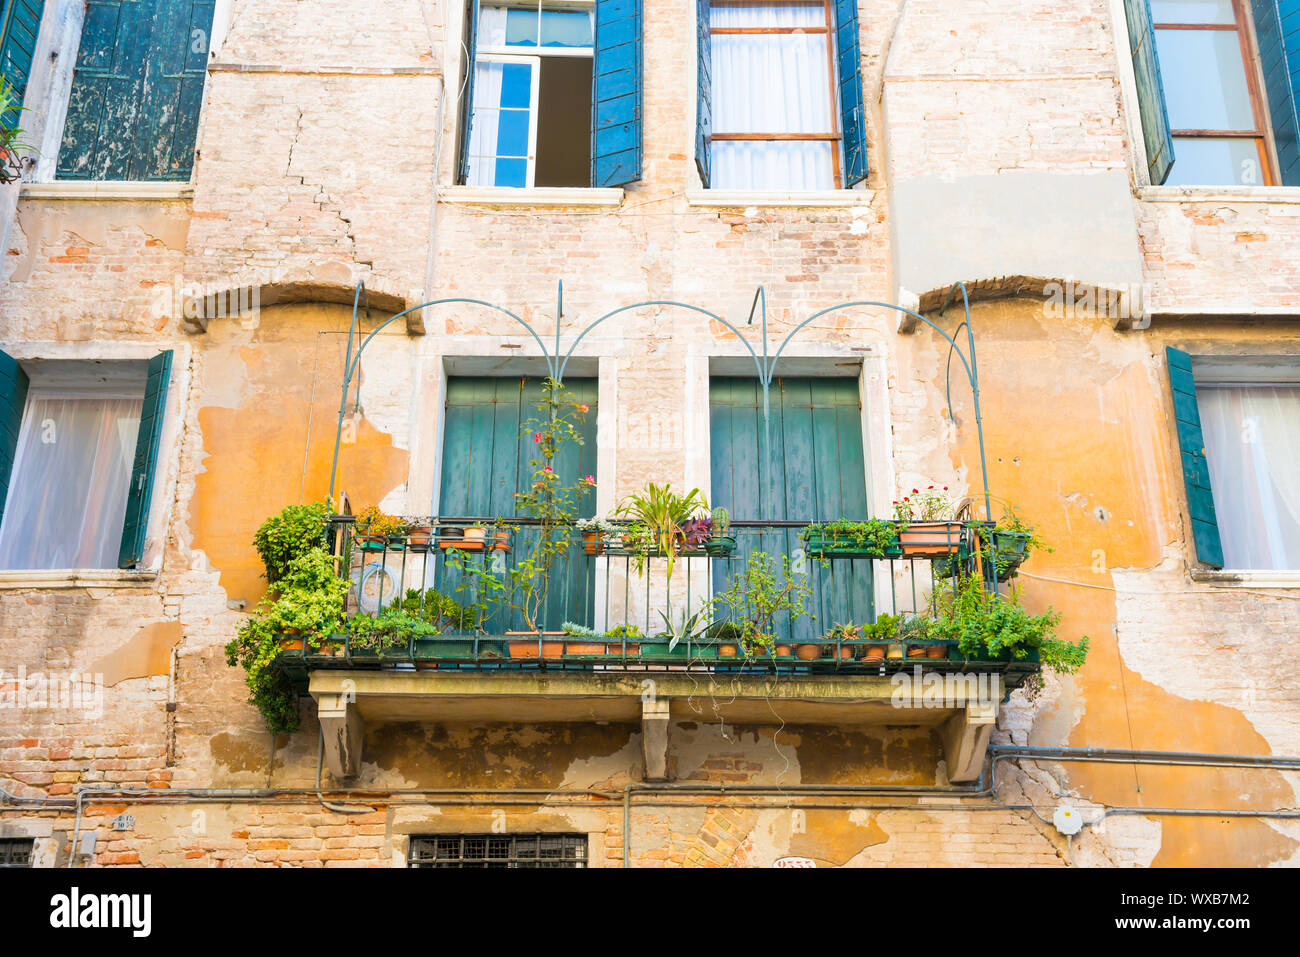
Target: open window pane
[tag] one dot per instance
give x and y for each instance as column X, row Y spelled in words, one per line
column 1205, row 80
column 68, row 490
column 1252, row 443
column 501, row 133
column 1225, row 160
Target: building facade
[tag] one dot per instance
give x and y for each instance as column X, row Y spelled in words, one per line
column 225, row 198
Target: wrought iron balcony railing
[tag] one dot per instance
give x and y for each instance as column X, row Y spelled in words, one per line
column 611, row 604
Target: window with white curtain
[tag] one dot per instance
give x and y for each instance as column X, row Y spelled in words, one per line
column 775, row 111
column 1252, row 445
column 531, row 122
column 71, row 472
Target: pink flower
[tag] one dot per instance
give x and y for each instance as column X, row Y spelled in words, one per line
column 590, row 479
column 537, row 437
column 584, row 408
column 548, row 470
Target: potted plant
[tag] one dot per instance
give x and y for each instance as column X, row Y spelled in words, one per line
column 392, row 630
column 1006, row 546
column 760, row 593
column 589, row 647
column 11, row 168
column 377, row 530
column 884, row 629
column 297, row 529
column 719, row 544
column 926, row 529
column 842, row 538
column 837, row 638
column 593, row 532
column 418, row 534
column 622, row 645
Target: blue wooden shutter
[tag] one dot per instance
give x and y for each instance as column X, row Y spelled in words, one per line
column 467, row 93
column 1277, row 31
column 136, row 90
column 13, row 399
column 1150, row 90
column 704, row 92
column 817, row 473
column 616, row 94
column 152, row 413
column 853, row 114
column 485, row 461
column 20, row 20
column 1196, row 470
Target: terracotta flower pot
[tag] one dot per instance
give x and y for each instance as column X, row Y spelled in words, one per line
column 930, row 539
column 291, row 642
column 808, row 652
column 474, row 539
column 418, row 536
column 784, row 651
column 502, row 540
column 584, row 647
column 727, row 651
column 916, row 651
column 874, row 653
column 936, row 651
column 527, row 647
column 591, row 541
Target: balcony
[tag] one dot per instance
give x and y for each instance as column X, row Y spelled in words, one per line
column 628, row 634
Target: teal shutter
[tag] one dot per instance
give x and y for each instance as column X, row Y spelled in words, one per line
column 815, row 472
column 616, row 94
column 1277, row 31
column 853, row 114
column 485, row 460
column 20, row 21
column 152, row 413
column 467, row 95
column 1151, row 92
column 13, row 399
column 704, row 92
column 136, row 90
column 1196, row 470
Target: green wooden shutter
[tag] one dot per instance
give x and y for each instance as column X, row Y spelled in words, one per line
column 152, row 413
column 1196, row 470
column 13, row 399
column 467, row 90
column 1151, row 92
column 816, row 472
column 616, row 94
column 704, row 92
column 485, row 460
column 20, row 21
column 136, row 90
column 1277, row 30
column 853, row 114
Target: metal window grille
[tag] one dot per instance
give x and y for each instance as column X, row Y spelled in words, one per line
column 500, row 850
column 16, row 852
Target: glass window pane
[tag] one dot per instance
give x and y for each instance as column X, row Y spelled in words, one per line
column 1204, row 161
column 1204, row 80
column 1252, row 444
column 521, row 28
column 782, row 165
column 767, row 15
column 771, row 84
column 501, row 124
column 516, row 85
column 1192, row 11
column 566, row 28
column 512, row 172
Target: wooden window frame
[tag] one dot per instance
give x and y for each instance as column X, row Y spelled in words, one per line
column 836, row 135
column 1243, row 26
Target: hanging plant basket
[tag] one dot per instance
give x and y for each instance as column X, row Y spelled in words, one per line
column 930, row 539
column 719, row 546
column 1010, row 549
column 823, row 545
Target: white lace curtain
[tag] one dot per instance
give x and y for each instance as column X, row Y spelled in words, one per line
column 68, row 487
column 1252, row 442
column 771, row 83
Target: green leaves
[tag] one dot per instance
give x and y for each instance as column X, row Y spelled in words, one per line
column 755, row 597
column 283, row 537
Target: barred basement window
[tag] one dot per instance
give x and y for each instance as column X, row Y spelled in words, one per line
column 16, row 851
column 499, row 850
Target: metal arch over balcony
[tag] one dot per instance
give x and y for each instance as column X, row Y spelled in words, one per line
column 764, row 364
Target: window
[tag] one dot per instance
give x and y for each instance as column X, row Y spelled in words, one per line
column 780, row 95
column 499, row 850
column 137, row 86
column 1252, row 442
column 16, row 852
column 78, row 446
column 818, row 473
column 20, row 20
column 1215, row 95
column 486, row 459
column 553, row 92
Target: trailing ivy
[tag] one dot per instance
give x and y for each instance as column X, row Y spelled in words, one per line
column 282, row 538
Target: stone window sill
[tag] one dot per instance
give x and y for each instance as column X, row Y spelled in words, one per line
column 733, row 198
column 112, row 191
column 1251, row 578
column 538, row 196
column 1219, row 194
column 75, row 578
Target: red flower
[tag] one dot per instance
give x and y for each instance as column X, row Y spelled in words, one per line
column 537, row 437
column 916, row 491
column 584, row 408
column 590, row 479
column 548, row 470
